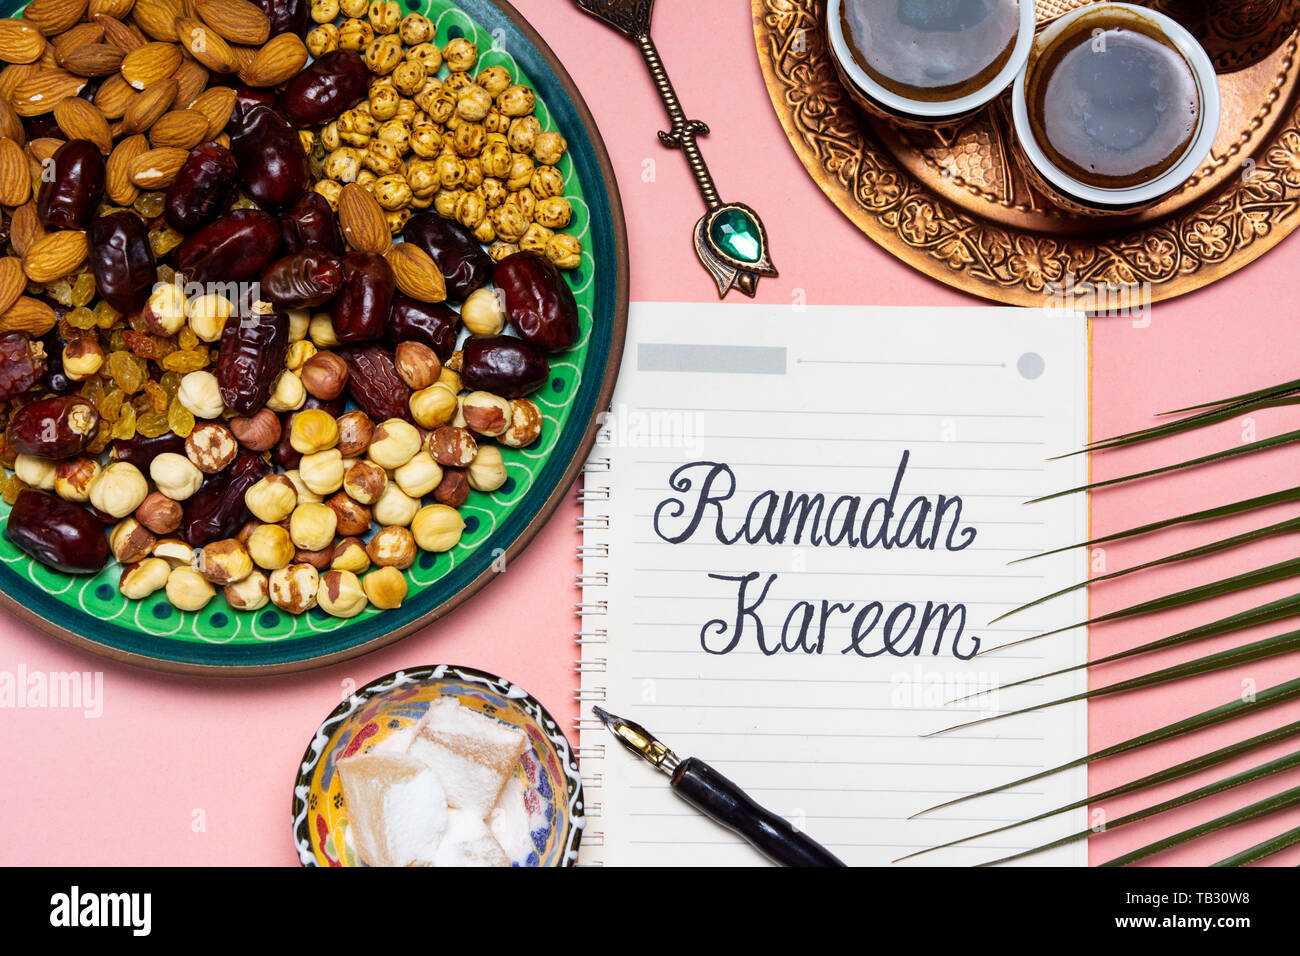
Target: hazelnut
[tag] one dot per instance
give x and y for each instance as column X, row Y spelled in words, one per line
column 321, row 331
column 437, row 528
column 453, row 490
column 144, row 578
column 485, row 413
column 37, row 472
column 322, row 472
column 355, row 431
column 304, row 493
column 164, row 312
column 392, row 547
column 223, row 562
column 298, row 354
column 525, row 424
column 353, row 517
column 341, row 594
column 73, row 478
column 487, row 472
column 453, row 447
column 159, row 514
column 365, row 482
column 435, row 405
column 82, row 358
column 119, row 489
column 450, row 378
column 175, row 475
column 312, row 526
column 320, row 560
column 419, row 476
column 261, row 432
column 325, row 375
column 293, row 589
column 313, row 430
column 483, row 312
column 211, row 447
column 394, row 507
column 271, row 547
column 272, row 499
column 350, row 555
column 200, row 394
column 131, row 541
column 250, row 594
column 394, row 443
column 385, row 588
column 175, row 552
column 188, row 590
column 287, row 394
column 417, row 364
column 299, row 323
column 208, row 315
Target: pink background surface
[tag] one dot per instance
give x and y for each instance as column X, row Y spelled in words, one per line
column 181, row 771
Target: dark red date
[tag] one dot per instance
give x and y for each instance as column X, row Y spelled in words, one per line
column 217, row 510
column 302, row 280
column 57, row 533
column 246, row 97
column 366, row 298
column 538, row 301
column 309, row 225
column 504, row 365
column 202, row 188
column 431, row 324
column 283, row 453
column 270, row 156
column 236, row 247
column 74, row 188
column 122, row 260
column 141, row 451
column 22, row 364
column 464, row 262
column 326, row 87
column 374, row 384
column 54, row 428
column 250, row 357
column 286, row 16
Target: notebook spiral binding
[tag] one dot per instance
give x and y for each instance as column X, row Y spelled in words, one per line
column 590, row 639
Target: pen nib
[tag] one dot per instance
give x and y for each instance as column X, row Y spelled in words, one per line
column 638, row 740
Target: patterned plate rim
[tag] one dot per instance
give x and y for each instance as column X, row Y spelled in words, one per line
column 533, row 707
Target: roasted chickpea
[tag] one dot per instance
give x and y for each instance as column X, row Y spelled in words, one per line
column 355, row 34
column 323, row 39
column 383, row 54
column 564, row 251
column 385, row 16
column 554, row 213
column 523, row 133
column 383, row 102
column 494, row 79
column 324, row 11
column 460, row 55
column 516, row 100
column 473, row 104
column 547, row 182
column 415, row 29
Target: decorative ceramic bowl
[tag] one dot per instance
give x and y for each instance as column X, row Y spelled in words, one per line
column 548, row 770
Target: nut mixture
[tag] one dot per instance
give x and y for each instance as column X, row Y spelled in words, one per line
column 300, row 445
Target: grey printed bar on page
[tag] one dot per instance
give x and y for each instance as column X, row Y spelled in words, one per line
column 739, row 359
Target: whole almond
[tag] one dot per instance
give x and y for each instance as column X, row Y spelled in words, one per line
column 93, row 59
column 52, row 17
column 150, row 104
column 206, row 45
column 28, row 315
column 156, row 168
column 25, row 228
column 55, row 255
column 117, row 176
column 83, row 34
column 11, row 127
column 216, row 104
column 125, row 38
column 115, row 96
column 15, row 176
column 80, row 119
column 244, row 55
column 12, row 281
column 13, row 74
column 183, row 129
column 416, row 273
column 236, row 20
column 277, row 62
column 39, row 94
column 20, row 42
column 150, row 63
column 117, row 9
column 157, row 18
column 192, row 77
column 364, row 225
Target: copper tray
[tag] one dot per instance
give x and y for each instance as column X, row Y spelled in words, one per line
column 954, row 206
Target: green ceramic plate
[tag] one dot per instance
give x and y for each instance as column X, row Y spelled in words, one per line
column 90, row 613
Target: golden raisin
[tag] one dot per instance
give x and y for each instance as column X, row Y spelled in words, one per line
column 186, row 360
column 180, row 419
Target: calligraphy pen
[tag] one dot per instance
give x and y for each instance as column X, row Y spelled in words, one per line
column 721, row 800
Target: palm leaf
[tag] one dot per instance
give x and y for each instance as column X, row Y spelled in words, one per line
column 1270, row 697
column 1202, row 420
column 1246, row 654
column 1261, row 850
column 1177, row 771
column 1263, row 808
column 1272, row 390
column 1280, row 765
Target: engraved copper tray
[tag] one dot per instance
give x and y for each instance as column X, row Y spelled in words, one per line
column 954, row 205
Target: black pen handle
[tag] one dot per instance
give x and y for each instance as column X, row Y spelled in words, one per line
column 718, row 798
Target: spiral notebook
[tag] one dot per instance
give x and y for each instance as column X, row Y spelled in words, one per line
column 798, row 525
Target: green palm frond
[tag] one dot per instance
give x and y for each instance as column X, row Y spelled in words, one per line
column 1263, row 850
column 1271, row 391
column 1201, row 420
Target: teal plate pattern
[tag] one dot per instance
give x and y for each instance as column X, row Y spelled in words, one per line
column 91, row 613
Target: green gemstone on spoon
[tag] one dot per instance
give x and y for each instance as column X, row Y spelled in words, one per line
column 736, row 233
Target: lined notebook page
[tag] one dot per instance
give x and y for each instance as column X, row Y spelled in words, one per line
column 748, row 600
